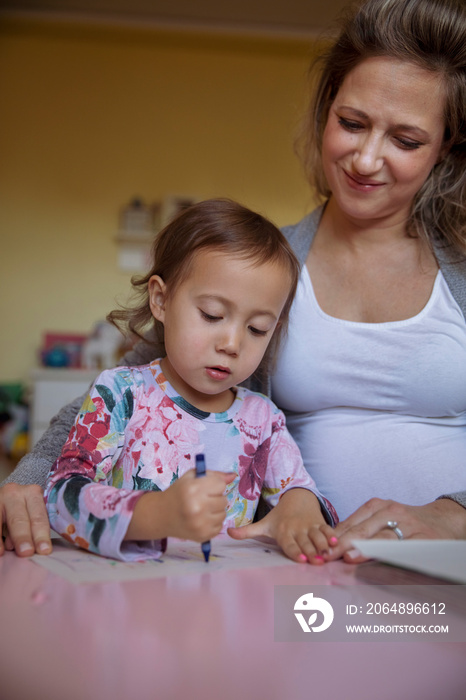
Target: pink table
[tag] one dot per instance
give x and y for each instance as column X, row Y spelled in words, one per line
column 206, row 636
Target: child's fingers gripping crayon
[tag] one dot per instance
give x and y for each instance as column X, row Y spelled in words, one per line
column 200, row 471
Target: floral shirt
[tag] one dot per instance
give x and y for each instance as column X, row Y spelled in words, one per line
column 134, row 433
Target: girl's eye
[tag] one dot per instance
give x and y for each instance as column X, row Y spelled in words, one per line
column 209, row 317
column 349, row 125
column 257, row 331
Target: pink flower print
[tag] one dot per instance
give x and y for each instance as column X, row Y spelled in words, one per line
column 252, row 468
column 159, row 462
column 105, row 468
column 284, row 452
column 76, row 458
column 98, row 420
column 184, row 432
column 254, row 416
column 82, row 437
column 285, row 482
column 140, row 424
column 106, row 501
column 86, row 434
column 163, row 438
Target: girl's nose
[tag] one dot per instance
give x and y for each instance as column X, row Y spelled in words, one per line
column 368, row 158
column 230, row 340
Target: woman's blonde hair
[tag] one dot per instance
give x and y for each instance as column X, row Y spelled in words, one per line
column 432, row 35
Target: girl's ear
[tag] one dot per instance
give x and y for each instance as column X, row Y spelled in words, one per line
column 157, row 294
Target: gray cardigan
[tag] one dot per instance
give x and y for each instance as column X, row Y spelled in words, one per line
column 35, row 466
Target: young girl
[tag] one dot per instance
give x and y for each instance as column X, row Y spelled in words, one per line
column 220, row 289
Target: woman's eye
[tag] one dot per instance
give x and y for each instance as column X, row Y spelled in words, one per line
column 349, row 125
column 257, row 331
column 408, row 144
column 209, row 317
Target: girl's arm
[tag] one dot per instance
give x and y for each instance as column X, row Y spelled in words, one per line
column 82, row 503
column 299, row 512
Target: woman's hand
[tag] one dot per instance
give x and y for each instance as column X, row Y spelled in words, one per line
column 24, row 520
column 442, row 519
column 296, row 524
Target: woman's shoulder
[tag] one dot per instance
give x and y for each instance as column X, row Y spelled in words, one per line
column 301, row 235
column 453, row 267
column 144, row 351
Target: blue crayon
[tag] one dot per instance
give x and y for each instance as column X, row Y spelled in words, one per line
column 200, row 471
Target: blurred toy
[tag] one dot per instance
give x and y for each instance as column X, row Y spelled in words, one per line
column 55, row 357
column 61, row 349
column 101, row 349
column 14, row 415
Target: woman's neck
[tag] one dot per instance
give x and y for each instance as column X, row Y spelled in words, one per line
column 337, row 228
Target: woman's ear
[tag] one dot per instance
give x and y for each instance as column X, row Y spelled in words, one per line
column 157, row 295
column 443, row 151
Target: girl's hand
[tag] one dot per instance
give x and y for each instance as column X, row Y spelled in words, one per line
column 196, row 507
column 296, row 524
column 191, row 509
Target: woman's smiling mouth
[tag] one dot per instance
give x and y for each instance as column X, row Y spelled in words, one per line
column 361, row 183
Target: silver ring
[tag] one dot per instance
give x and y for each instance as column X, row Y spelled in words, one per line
column 392, row 525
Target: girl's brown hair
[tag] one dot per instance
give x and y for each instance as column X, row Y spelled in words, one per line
column 214, row 224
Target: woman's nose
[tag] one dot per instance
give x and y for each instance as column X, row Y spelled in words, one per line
column 368, row 158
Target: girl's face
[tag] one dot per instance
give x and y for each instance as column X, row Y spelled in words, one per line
column 383, row 136
column 218, row 323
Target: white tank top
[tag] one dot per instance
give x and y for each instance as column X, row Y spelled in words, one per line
column 377, row 409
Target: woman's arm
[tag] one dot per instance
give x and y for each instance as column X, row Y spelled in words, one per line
column 459, row 497
column 34, row 467
column 23, row 515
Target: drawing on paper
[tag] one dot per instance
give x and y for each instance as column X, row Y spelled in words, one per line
column 181, row 558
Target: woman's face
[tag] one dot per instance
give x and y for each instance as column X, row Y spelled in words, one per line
column 383, row 136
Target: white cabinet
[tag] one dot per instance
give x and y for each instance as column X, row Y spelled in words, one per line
column 51, row 390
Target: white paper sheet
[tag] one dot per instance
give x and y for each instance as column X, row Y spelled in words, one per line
column 441, row 558
column 181, row 559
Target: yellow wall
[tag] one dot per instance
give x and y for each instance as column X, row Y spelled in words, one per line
column 90, row 117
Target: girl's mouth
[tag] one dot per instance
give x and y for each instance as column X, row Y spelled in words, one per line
column 218, row 373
